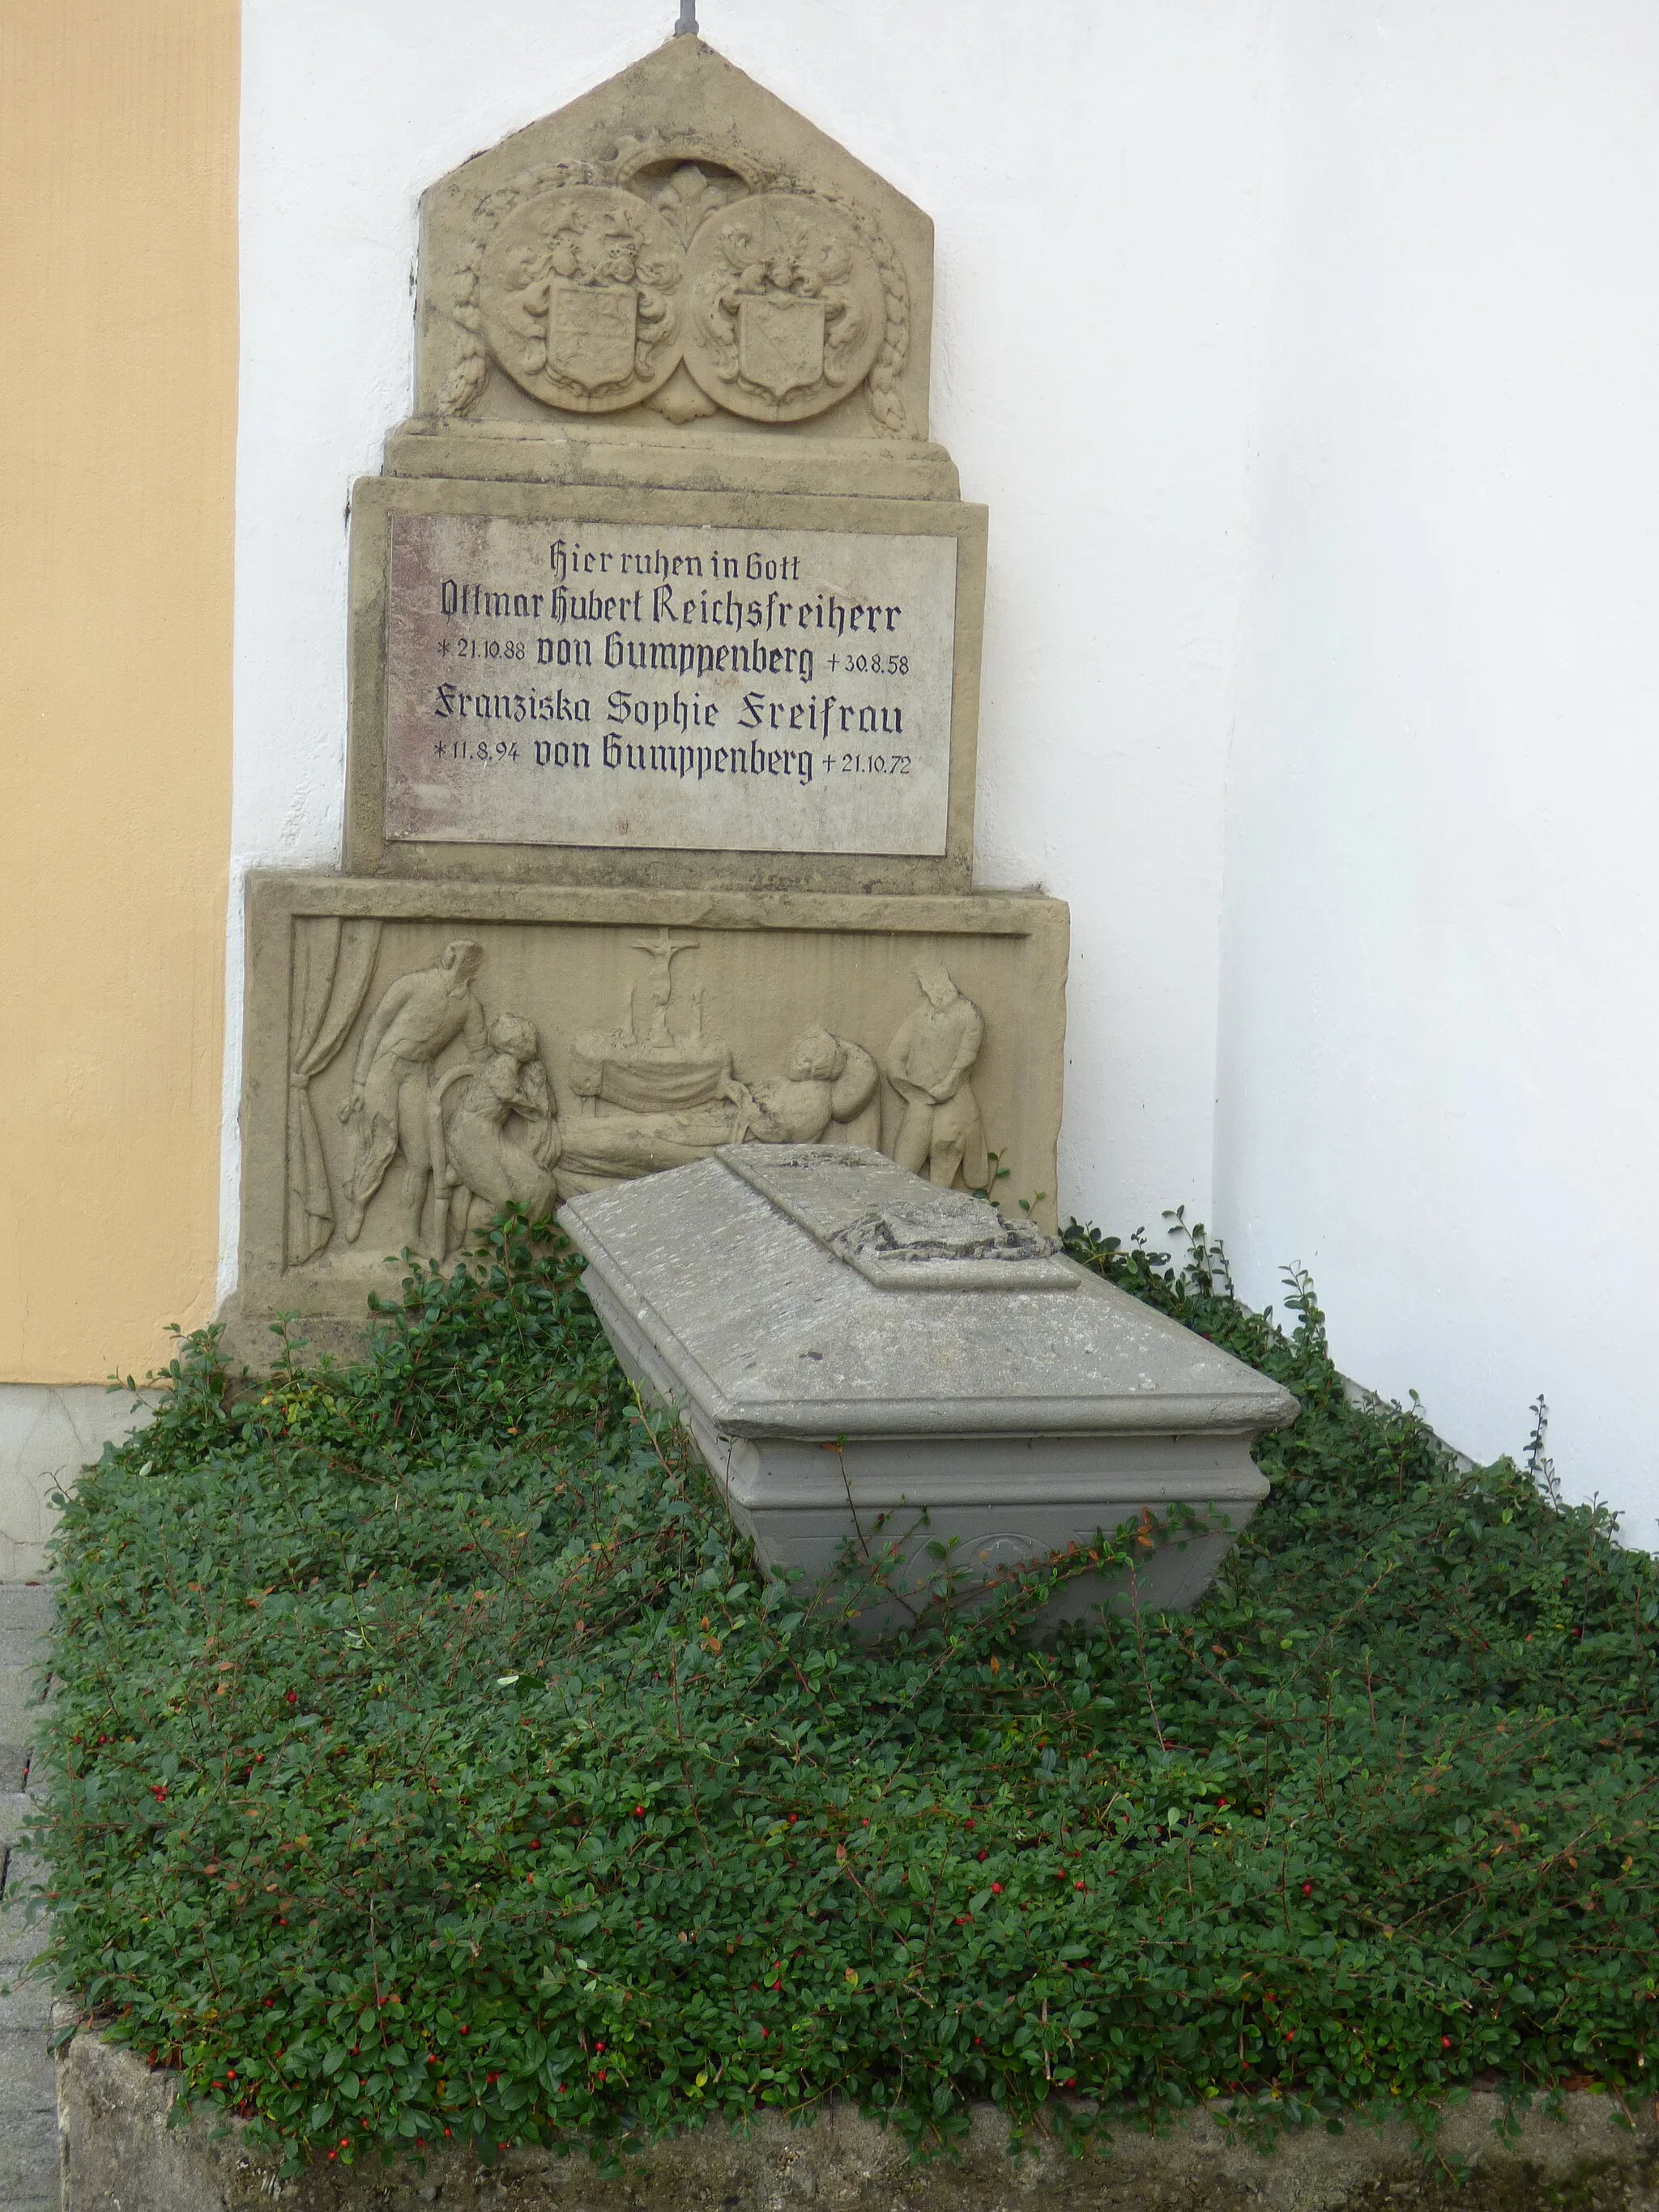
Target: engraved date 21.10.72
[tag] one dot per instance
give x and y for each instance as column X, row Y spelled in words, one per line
column 866, row 763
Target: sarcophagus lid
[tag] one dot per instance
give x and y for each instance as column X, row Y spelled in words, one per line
column 867, row 1361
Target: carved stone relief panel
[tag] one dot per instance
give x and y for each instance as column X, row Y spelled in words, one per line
column 460, row 1102
column 580, row 292
column 437, row 1065
column 579, row 296
column 679, row 239
column 789, row 310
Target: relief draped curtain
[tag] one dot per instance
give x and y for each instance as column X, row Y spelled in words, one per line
column 333, row 965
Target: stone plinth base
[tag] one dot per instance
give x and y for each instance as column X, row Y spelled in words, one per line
column 120, row 2155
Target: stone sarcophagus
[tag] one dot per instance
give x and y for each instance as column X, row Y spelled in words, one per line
column 883, row 1374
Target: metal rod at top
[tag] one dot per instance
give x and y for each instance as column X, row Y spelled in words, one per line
column 687, row 25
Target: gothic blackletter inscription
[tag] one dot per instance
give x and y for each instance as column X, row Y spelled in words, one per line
column 687, row 687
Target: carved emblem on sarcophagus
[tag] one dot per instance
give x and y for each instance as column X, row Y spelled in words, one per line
column 578, row 295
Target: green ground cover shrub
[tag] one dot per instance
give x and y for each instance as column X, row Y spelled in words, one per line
column 430, row 1757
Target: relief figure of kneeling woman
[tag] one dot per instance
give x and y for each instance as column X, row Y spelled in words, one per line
column 496, row 1132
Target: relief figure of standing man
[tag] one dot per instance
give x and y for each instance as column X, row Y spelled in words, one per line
column 927, row 1064
column 419, row 1015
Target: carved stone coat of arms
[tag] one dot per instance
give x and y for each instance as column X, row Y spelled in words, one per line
column 579, row 293
column 787, row 309
column 775, row 304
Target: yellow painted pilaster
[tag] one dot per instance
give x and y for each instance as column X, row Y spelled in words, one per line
column 117, row 395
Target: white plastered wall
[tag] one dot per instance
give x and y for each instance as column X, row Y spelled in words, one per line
column 1439, row 1055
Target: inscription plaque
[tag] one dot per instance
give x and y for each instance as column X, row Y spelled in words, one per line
column 684, row 687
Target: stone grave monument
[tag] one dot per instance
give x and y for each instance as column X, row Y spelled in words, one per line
column 664, row 649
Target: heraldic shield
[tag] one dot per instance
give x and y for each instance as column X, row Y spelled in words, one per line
column 780, row 343
column 788, row 309
column 576, row 297
column 591, row 331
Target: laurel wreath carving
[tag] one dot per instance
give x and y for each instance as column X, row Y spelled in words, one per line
column 466, row 377
column 881, row 385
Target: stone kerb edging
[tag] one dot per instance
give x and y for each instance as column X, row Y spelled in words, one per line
column 120, row 2155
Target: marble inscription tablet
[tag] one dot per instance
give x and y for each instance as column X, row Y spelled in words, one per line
column 696, row 688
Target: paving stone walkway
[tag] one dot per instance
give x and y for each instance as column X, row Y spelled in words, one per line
column 28, row 2104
